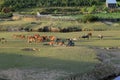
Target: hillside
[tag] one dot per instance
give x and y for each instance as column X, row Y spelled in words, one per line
column 19, row 4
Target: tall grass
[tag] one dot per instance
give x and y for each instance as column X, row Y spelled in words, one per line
column 36, row 25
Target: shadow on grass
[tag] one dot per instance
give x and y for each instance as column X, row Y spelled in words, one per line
column 11, row 60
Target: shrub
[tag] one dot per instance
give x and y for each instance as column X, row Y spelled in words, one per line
column 46, row 29
column 6, row 10
column 89, row 18
column 92, row 9
column 71, row 29
column 5, row 15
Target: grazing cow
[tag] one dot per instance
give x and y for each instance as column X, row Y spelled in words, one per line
column 39, row 39
column 31, row 39
column 22, row 36
column 36, row 36
column 52, row 38
column 85, row 36
column 100, row 36
column 45, row 38
column 51, row 42
column 3, row 40
column 18, row 36
column 60, row 41
column 74, row 39
column 90, row 34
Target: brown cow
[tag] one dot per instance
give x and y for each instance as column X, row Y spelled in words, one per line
column 18, row 36
column 52, row 38
column 39, row 39
column 36, row 36
column 31, row 39
column 60, row 43
column 51, row 42
column 90, row 34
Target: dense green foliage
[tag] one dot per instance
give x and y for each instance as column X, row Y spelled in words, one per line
column 5, row 15
column 17, row 4
column 89, row 18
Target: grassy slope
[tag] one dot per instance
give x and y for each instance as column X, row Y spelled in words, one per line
column 58, row 23
column 78, row 59
column 54, row 57
column 70, row 59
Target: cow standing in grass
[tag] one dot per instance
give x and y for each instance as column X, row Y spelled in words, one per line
column 86, row 36
column 17, row 36
column 100, row 36
column 30, row 39
column 90, row 34
column 60, row 42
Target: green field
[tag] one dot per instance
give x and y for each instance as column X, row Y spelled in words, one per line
column 55, row 54
column 78, row 59
column 36, row 25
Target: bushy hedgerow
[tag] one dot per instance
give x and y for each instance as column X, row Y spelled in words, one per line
column 71, row 29
column 68, row 29
column 5, row 15
column 89, row 18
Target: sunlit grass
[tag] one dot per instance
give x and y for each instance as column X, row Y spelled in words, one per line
column 72, row 59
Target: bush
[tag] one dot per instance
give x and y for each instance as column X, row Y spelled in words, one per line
column 89, row 18
column 5, row 15
column 6, row 10
column 71, row 29
column 46, row 29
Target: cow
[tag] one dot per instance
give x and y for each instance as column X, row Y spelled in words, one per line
column 39, row 39
column 18, row 36
column 100, row 36
column 52, row 38
column 36, row 36
column 45, row 38
column 31, row 39
column 90, row 34
column 51, row 43
column 60, row 41
column 85, row 36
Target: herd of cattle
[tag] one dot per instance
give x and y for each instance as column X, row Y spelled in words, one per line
column 51, row 40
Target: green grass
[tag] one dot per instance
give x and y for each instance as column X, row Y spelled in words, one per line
column 97, row 26
column 78, row 59
column 69, row 59
column 100, row 15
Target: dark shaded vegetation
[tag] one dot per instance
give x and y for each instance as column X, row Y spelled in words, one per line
column 89, row 18
column 6, row 15
column 18, row 4
column 25, row 61
column 4, row 79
